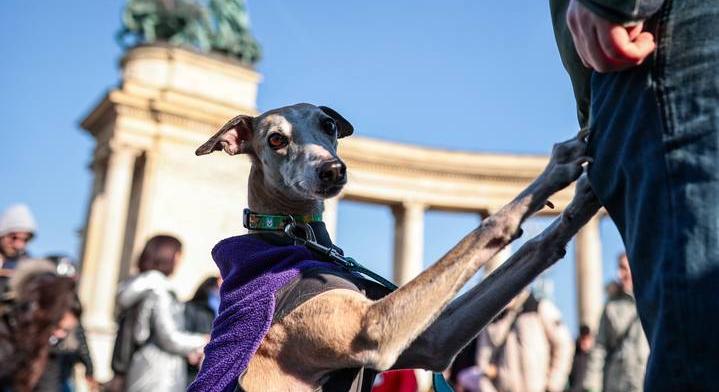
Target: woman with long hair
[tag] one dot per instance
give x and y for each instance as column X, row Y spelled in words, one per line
column 36, row 302
column 160, row 345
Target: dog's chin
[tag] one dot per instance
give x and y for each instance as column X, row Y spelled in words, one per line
column 329, row 191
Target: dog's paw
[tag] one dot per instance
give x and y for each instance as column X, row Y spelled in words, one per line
column 584, row 201
column 565, row 163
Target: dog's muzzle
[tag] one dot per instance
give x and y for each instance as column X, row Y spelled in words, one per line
column 333, row 176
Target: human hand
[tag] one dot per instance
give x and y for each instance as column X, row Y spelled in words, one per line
column 92, row 384
column 194, row 358
column 490, row 371
column 605, row 46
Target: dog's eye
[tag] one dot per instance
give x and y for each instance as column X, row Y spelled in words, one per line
column 277, row 141
column 329, row 126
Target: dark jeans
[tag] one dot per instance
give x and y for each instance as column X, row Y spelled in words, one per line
column 656, row 170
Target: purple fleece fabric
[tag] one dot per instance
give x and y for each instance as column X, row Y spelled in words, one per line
column 252, row 272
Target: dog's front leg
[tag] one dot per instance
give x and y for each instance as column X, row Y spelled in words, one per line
column 464, row 318
column 345, row 329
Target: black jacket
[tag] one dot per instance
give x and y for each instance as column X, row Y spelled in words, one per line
column 61, row 361
column 198, row 318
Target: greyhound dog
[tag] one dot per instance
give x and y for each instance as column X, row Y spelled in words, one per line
column 295, row 167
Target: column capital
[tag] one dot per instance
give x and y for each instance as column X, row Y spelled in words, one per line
column 124, row 149
column 409, row 205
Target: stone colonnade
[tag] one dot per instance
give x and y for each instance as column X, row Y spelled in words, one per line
column 147, row 181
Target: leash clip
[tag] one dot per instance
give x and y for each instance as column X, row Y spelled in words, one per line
column 292, row 228
column 309, row 240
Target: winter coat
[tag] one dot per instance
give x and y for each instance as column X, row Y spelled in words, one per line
column 198, row 318
column 579, row 370
column 531, row 348
column 63, row 356
column 159, row 363
column 619, row 357
column 7, row 269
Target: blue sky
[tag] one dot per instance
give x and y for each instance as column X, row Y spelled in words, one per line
column 457, row 74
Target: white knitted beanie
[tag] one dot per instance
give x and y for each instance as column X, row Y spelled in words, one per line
column 17, row 218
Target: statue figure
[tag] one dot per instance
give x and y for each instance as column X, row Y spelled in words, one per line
column 179, row 22
column 233, row 30
column 187, row 23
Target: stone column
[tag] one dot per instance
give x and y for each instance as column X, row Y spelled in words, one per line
column 330, row 216
column 93, row 225
column 100, row 273
column 408, row 241
column 588, row 261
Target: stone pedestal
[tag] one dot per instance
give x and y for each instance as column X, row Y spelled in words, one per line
column 148, row 181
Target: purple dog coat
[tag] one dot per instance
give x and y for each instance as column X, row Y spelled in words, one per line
column 252, row 271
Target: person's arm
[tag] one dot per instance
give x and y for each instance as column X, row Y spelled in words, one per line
column 132, row 291
column 83, row 351
column 168, row 334
column 484, row 353
column 560, row 343
column 594, row 378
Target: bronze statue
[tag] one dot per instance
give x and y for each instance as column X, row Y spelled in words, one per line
column 233, row 30
column 188, row 23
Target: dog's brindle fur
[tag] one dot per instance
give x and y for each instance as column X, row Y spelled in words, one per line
column 415, row 326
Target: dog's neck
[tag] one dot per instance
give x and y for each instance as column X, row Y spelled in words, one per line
column 264, row 199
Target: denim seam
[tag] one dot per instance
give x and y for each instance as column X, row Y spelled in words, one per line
column 664, row 103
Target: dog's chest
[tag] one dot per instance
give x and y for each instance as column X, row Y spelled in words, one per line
column 283, row 363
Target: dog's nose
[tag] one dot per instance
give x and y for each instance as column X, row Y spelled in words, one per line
column 332, row 172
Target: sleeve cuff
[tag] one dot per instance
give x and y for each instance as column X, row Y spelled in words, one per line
column 638, row 12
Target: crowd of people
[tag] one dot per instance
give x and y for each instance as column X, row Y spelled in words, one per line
column 41, row 336
column 528, row 348
column 159, row 341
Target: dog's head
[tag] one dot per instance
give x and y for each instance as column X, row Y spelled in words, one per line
column 294, row 146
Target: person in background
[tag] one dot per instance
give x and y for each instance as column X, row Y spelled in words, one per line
column 68, row 346
column 466, row 359
column 157, row 362
column 618, row 360
column 403, row 380
column 30, row 311
column 200, row 312
column 527, row 348
column 17, row 229
column 584, row 344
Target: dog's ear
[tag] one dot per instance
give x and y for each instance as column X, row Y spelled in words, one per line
column 344, row 128
column 233, row 137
